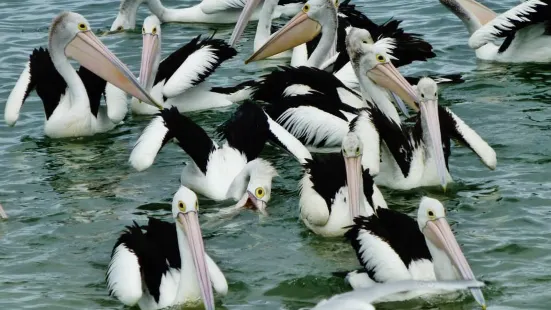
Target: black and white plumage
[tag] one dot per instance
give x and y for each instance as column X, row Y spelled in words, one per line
column 180, row 79
column 72, row 100
column 231, row 170
column 394, row 247
column 164, row 264
column 525, row 30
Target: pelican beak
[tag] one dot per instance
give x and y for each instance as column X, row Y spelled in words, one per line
column 249, row 201
column 298, row 30
column 149, row 52
column 243, row 21
column 88, row 50
column 387, row 76
column 353, row 178
column 438, row 231
column 429, row 115
column 3, row 214
column 189, row 222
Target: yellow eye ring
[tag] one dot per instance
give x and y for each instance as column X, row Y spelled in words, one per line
column 197, row 205
column 336, row 3
column 154, row 30
column 182, row 206
column 306, row 8
column 431, row 215
column 259, row 192
column 120, row 28
column 143, row 30
column 380, row 58
column 82, row 27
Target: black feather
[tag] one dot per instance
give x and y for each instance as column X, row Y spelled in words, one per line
column 95, row 88
column 328, row 174
column 190, row 136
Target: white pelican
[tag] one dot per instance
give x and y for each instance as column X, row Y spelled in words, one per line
column 166, row 265
column 207, row 11
column 231, row 171
column 179, row 80
column 72, row 100
column 362, row 299
column 524, row 28
column 391, row 246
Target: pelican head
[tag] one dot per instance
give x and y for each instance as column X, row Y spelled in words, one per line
column 151, row 51
column 259, row 187
column 374, row 60
column 352, row 150
column 304, row 27
column 428, row 104
column 185, row 209
column 71, row 37
column 126, row 19
column 431, row 219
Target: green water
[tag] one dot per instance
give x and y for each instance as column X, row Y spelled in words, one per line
column 69, row 200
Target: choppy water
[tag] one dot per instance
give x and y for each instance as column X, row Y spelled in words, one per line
column 69, row 200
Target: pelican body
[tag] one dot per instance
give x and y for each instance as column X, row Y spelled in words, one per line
column 163, row 264
column 72, row 100
column 524, row 30
column 180, row 79
column 391, row 247
column 207, row 11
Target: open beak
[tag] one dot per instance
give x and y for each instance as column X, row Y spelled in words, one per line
column 249, row 201
column 300, row 29
column 88, row 50
column 190, row 223
column 440, row 234
column 3, row 214
column 387, row 76
column 353, row 178
column 429, row 111
column 243, row 20
column 149, row 52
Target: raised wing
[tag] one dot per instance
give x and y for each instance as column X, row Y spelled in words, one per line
column 528, row 13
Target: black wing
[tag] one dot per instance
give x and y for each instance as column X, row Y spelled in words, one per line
column 46, row 80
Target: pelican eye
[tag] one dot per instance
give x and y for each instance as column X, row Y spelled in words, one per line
column 422, row 95
column 120, row 28
column 435, row 94
column 154, row 30
column 336, row 3
column 365, row 42
column 182, row 206
column 197, row 205
column 380, row 58
column 430, row 213
column 358, row 150
column 82, row 27
column 306, row 8
column 259, row 192
column 143, row 30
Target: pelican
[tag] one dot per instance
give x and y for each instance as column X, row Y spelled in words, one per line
column 207, row 11
column 72, row 100
column 362, row 299
column 166, row 265
column 179, row 80
column 231, row 171
column 524, row 28
column 391, row 246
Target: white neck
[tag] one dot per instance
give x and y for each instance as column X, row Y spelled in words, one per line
column 130, row 11
column 326, row 43
column 263, row 28
column 377, row 95
column 168, row 15
column 75, row 88
column 188, row 287
column 443, row 267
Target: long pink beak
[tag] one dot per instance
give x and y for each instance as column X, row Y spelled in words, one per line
column 387, row 76
column 190, row 223
column 353, row 178
column 88, row 50
column 243, row 20
column 149, row 53
column 429, row 114
column 440, row 234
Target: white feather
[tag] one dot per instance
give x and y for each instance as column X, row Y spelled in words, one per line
column 489, row 32
column 315, row 124
column 117, row 103
column 148, row 145
column 313, row 208
column 358, row 280
column 369, row 136
column 17, row 95
column 351, row 98
column 348, row 77
column 124, row 277
column 215, row 6
column 219, row 283
column 187, row 75
column 297, row 90
column 291, row 144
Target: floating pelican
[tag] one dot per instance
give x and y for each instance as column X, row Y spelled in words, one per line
column 208, row 11
column 166, row 265
column 179, row 80
column 524, row 28
column 391, row 246
column 72, row 100
column 231, row 171
column 362, row 299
